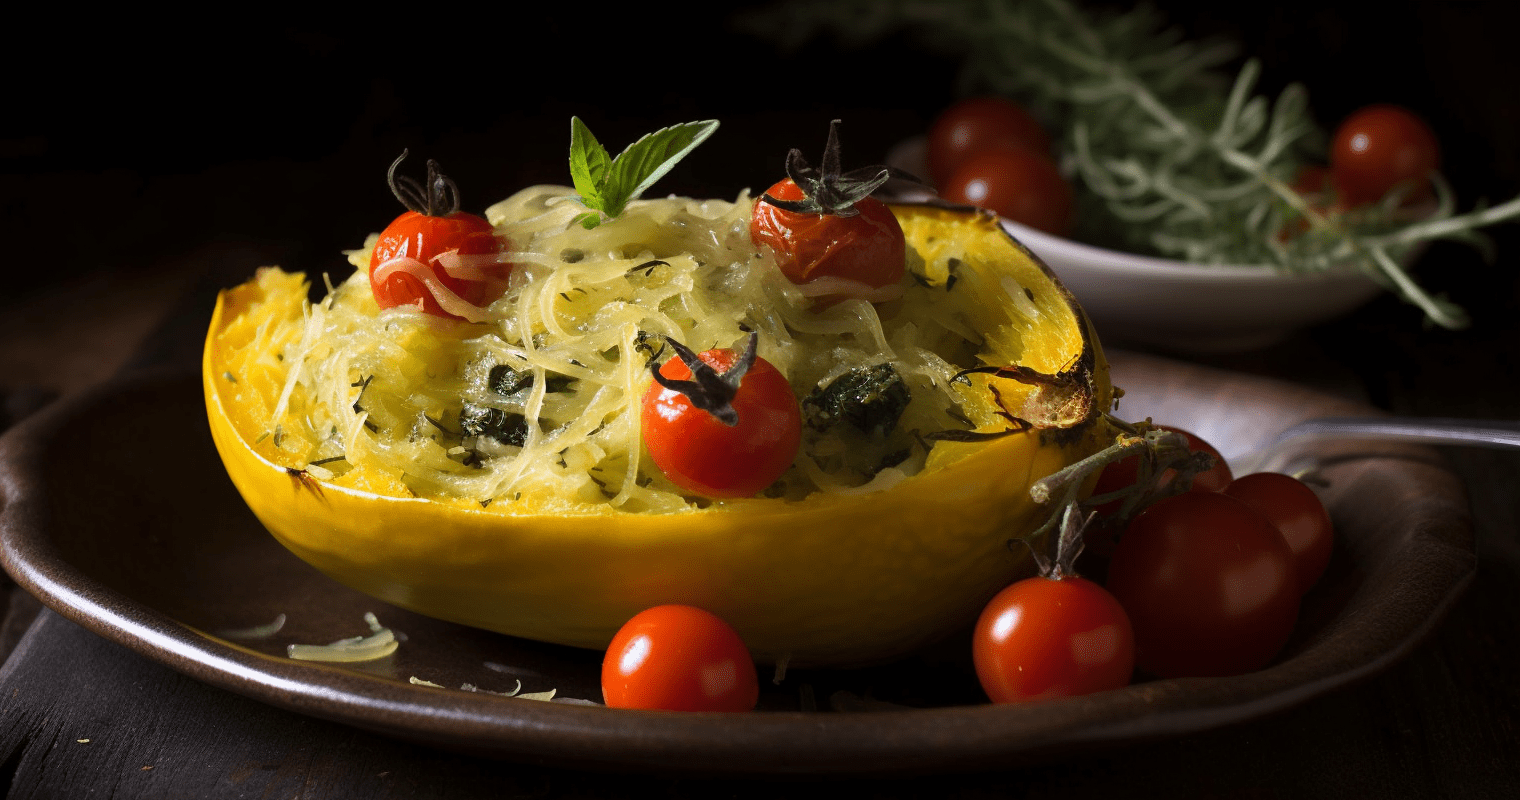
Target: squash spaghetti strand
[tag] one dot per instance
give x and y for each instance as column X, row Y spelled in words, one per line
column 541, row 398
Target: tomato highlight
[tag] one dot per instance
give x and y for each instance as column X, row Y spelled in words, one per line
column 679, row 658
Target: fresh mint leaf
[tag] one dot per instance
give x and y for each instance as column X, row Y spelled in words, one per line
column 648, row 159
column 607, row 185
column 589, row 164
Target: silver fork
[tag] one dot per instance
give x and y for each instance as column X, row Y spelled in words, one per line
column 1274, row 456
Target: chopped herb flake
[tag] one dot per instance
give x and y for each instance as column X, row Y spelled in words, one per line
column 870, row 398
column 503, row 426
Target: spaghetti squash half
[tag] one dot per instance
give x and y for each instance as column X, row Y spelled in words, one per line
column 491, row 473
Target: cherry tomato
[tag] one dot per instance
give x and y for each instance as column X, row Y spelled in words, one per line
column 1102, row 536
column 1317, row 186
column 1125, row 472
column 1046, row 637
column 679, row 658
column 433, row 227
column 1208, row 584
column 1018, row 184
column 977, row 124
column 425, row 238
column 1378, row 148
column 701, row 454
column 867, row 247
column 1218, row 476
column 1314, row 181
column 1297, row 513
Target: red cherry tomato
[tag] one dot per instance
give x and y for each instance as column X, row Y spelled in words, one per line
column 1298, row 514
column 1018, row 184
column 1317, row 186
column 435, row 257
column 1314, row 181
column 1378, row 148
column 1218, row 476
column 679, row 658
column 702, row 455
column 977, row 124
column 1101, row 537
column 424, row 239
column 867, row 247
column 1208, row 584
column 1125, row 472
column 1043, row 638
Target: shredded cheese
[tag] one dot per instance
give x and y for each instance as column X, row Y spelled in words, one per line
column 380, row 643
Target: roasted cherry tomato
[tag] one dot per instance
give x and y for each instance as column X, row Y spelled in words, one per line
column 1299, row 515
column 1047, row 637
column 1381, row 147
column 977, row 124
column 730, row 430
column 1018, row 184
column 867, row 247
column 679, row 658
column 1209, row 585
column 435, row 257
column 824, row 224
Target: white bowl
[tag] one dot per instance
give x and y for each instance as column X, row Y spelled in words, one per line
column 1176, row 305
column 1193, row 307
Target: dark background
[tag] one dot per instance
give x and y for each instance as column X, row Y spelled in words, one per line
column 130, row 143
column 123, row 139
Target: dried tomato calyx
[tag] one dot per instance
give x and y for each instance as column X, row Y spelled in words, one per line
column 826, row 190
column 708, row 389
column 1069, row 544
column 439, row 198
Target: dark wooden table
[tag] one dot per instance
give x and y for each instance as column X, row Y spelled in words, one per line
column 119, row 243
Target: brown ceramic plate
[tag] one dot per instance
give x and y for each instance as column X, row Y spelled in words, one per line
column 118, row 515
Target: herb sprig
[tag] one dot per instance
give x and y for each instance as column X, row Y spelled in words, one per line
column 1174, row 158
column 606, row 185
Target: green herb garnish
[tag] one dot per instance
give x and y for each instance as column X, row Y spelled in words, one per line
column 607, row 184
column 870, row 398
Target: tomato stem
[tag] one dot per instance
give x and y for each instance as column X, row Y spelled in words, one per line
column 827, row 190
column 1167, row 467
column 440, row 198
column 709, row 389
